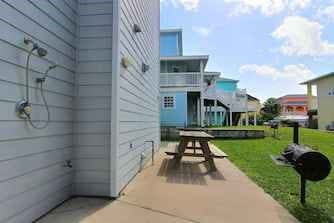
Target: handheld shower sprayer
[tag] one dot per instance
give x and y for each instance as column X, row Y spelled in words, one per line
column 23, row 107
column 43, row 79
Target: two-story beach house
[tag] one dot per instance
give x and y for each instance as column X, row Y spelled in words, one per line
column 191, row 96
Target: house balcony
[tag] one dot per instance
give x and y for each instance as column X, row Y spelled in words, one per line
column 180, row 80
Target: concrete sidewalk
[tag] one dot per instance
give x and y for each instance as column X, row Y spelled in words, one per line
column 164, row 194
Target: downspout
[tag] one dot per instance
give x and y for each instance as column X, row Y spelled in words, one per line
column 114, row 125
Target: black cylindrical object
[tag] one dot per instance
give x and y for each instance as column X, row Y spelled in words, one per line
column 310, row 164
column 296, row 133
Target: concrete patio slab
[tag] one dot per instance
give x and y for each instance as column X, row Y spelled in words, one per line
column 162, row 193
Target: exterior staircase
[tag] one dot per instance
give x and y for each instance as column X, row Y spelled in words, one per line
column 237, row 101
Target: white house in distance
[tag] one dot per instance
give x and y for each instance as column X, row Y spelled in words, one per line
column 102, row 91
column 325, row 99
column 191, row 96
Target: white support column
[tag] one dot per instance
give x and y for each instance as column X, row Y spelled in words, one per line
column 221, row 118
column 215, row 112
column 247, row 119
column 210, row 115
column 231, row 117
column 206, row 116
column 202, row 92
column 255, row 119
column 199, row 112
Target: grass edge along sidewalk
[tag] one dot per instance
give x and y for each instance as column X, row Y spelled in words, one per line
column 253, row 158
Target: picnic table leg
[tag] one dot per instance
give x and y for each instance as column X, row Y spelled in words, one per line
column 208, row 155
column 180, row 150
column 194, row 146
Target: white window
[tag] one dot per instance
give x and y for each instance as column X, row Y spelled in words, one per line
column 169, row 102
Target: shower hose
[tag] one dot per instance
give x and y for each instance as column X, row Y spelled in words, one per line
column 41, row 88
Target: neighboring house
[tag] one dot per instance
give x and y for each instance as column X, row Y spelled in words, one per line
column 254, row 105
column 293, row 104
column 191, row 96
column 325, row 99
column 102, row 113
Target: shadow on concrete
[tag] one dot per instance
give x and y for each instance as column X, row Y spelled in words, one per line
column 75, row 210
column 187, row 172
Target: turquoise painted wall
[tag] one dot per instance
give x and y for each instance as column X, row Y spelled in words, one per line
column 176, row 116
column 227, row 85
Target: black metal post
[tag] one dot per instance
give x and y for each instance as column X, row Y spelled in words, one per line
column 302, row 190
column 296, row 133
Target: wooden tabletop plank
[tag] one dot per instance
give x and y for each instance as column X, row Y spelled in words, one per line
column 195, row 134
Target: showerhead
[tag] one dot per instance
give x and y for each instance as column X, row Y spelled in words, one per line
column 40, row 51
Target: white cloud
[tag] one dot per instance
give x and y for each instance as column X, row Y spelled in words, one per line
column 201, row 30
column 302, row 37
column 327, row 12
column 266, row 7
column 189, row 5
column 297, row 72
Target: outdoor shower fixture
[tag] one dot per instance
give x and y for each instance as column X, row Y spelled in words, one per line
column 23, row 107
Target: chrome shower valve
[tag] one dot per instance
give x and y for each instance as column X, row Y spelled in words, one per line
column 23, row 109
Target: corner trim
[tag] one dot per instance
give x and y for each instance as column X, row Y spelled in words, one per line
column 114, row 144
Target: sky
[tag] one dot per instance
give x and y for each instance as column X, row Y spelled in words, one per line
column 271, row 46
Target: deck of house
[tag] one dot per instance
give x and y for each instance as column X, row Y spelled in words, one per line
column 161, row 193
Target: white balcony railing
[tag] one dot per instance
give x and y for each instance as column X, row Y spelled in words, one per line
column 236, row 100
column 180, row 79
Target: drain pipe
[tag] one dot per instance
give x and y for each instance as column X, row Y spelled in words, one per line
column 152, row 142
column 143, row 156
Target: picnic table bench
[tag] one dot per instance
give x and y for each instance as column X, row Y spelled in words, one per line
column 196, row 138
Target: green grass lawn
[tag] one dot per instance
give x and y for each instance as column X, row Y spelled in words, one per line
column 282, row 183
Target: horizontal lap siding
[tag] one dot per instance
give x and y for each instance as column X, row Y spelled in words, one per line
column 93, row 102
column 139, row 92
column 33, row 178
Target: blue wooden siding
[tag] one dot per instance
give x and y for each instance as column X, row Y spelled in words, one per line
column 78, row 35
column 33, row 178
column 170, row 44
column 228, row 86
column 176, row 116
column 139, row 92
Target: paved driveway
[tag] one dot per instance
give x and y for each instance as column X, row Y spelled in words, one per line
column 164, row 194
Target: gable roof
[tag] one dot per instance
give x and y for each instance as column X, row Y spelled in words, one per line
column 252, row 98
column 318, row 78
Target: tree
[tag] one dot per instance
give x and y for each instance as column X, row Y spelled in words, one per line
column 271, row 109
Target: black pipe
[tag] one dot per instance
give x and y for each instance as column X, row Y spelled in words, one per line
column 302, row 190
column 296, row 133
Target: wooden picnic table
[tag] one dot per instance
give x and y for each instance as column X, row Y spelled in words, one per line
column 195, row 137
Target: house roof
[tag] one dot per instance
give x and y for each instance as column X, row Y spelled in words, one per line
column 212, row 73
column 252, row 98
column 205, row 58
column 318, row 78
column 227, row 79
column 293, row 95
column 173, row 30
